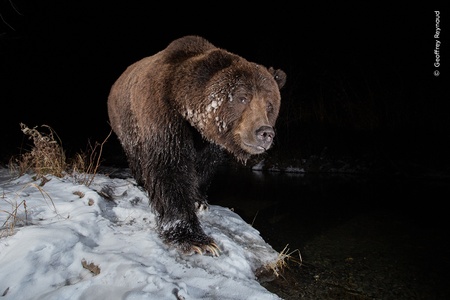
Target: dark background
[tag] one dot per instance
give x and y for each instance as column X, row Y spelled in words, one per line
column 360, row 81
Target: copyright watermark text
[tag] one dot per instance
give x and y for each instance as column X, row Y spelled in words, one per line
column 437, row 36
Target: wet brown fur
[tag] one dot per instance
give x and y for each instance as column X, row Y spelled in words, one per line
column 174, row 114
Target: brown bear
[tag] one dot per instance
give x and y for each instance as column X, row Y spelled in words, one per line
column 175, row 113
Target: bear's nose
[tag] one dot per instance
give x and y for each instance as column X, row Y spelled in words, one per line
column 264, row 136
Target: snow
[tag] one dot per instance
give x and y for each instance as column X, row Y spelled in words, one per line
column 73, row 241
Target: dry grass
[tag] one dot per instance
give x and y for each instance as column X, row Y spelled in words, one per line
column 18, row 215
column 85, row 165
column 47, row 157
column 284, row 257
column 282, row 261
column 13, row 220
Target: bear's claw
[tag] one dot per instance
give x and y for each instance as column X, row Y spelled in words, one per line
column 211, row 248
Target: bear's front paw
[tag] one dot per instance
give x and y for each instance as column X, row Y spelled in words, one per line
column 198, row 243
column 190, row 240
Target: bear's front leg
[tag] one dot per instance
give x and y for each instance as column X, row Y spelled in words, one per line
column 173, row 190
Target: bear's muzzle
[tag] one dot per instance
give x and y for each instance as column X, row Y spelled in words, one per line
column 264, row 137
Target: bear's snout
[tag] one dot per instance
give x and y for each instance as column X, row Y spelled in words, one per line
column 264, row 136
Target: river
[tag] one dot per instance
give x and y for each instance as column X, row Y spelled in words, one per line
column 358, row 236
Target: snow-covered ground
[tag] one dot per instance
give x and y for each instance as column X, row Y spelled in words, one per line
column 64, row 240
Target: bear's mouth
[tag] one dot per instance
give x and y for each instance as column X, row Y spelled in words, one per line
column 253, row 149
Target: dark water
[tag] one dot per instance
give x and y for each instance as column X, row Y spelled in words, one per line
column 310, row 204
column 360, row 237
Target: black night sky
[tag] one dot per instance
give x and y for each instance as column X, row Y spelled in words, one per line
column 352, row 73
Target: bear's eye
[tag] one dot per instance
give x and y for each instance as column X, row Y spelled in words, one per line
column 269, row 107
column 243, row 100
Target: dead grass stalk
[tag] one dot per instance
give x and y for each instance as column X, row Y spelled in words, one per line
column 284, row 257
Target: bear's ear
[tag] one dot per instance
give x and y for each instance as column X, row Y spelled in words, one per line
column 279, row 76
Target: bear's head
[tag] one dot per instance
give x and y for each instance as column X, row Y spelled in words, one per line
column 238, row 104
